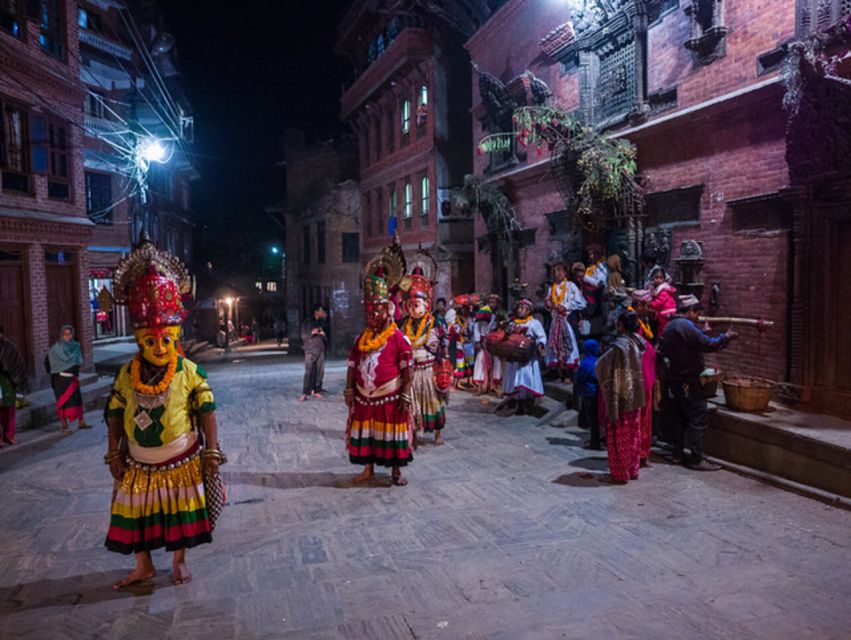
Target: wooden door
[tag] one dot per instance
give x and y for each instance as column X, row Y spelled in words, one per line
column 12, row 314
column 61, row 301
column 841, row 354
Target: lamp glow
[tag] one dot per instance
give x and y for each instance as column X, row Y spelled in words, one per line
column 152, row 150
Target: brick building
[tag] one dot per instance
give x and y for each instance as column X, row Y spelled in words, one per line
column 44, row 231
column 696, row 85
column 322, row 216
column 408, row 106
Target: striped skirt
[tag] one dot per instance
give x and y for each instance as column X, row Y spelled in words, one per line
column 160, row 506
column 428, row 409
column 378, row 433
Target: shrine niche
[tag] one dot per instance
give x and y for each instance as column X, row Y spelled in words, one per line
column 708, row 40
column 499, row 101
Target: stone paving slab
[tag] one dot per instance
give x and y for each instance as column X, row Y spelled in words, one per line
column 504, row 532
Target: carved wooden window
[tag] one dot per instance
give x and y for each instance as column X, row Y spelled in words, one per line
column 425, row 200
column 614, row 93
column 12, row 17
column 406, row 117
column 817, row 15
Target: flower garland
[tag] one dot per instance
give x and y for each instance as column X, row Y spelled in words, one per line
column 373, row 342
column 148, row 389
column 522, row 320
column 417, row 339
column 558, row 293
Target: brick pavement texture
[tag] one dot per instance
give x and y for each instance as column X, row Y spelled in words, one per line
column 500, row 534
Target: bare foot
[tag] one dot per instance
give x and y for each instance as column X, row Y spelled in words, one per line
column 438, row 439
column 139, row 574
column 365, row 476
column 397, row 478
column 317, row 395
column 180, row 573
column 302, row 398
column 10, row 440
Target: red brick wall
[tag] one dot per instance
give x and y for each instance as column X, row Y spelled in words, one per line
column 734, row 155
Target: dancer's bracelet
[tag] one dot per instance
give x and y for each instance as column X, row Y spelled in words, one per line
column 215, row 454
column 115, row 454
column 348, row 391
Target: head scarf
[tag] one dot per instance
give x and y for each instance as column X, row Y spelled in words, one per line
column 65, row 355
column 591, row 347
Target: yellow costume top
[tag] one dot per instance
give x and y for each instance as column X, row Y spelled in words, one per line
column 154, row 421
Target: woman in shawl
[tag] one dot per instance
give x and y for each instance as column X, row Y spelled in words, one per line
column 621, row 380
column 63, row 362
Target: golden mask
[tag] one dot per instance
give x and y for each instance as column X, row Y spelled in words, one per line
column 157, row 345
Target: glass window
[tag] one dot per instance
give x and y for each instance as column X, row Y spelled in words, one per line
column 88, row 20
column 271, row 286
column 11, row 17
column 423, row 95
column 258, row 285
column 409, row 199
column 51, row 30
column 13, row 148
column 99, row 197
column 393, row 203
column 424, row 195
column 406, row 116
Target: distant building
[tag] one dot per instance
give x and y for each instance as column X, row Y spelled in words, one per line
column 322, row 214
column 409, row 107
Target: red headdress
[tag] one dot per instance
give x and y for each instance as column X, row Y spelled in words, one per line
column 152, row 283
column 420, row 281
column 382, row 273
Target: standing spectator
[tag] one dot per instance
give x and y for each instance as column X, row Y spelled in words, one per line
column 683, row 346
column 255, row 331
column 619, row 373
column 586, row 392
column 664, row 298
column 63, row 362
column 563, row 298
column 280, row 329
column 522, row 383
column 314, row 338
column 13, row 378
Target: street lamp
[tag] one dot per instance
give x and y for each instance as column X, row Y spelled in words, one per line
column 147, row 151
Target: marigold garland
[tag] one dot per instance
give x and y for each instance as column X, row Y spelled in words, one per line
column 558, row 298
column 373, row 342
column 421, row 336
column 147, row 389
column 522, row 320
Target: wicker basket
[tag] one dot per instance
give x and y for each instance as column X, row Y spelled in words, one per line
column 748, row 394
column 710, row 383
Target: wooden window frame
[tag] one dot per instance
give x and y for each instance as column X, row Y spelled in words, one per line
column 105, row 215
column 26, row 156
column 59, row 149
column 60, row 37
column 425, row 199
column 19, row 20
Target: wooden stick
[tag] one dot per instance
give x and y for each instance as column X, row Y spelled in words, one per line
column 730, row 320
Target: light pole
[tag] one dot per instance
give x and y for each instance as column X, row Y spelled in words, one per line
column 148, row 150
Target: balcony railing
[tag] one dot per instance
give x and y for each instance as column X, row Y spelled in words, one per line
column 95, row 125
column 96, row 41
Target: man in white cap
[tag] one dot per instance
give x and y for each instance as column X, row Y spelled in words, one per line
column 683, row 346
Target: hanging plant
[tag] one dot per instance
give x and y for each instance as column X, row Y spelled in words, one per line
column 491, row 202
column 606, row 167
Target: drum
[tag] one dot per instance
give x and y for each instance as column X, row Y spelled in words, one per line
column 443, row 375
column 512, row 347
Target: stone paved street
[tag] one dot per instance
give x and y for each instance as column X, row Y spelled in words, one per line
column 500, row 534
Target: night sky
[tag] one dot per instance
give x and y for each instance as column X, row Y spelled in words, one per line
column 252, row 70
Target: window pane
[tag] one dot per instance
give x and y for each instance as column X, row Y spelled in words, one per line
column 424, row 95
column 409, row 199
column 424, row 188
column 406, row 116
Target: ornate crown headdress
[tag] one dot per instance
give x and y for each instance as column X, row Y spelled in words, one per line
column 383, row 272
column 152, row 283
column 422, row 275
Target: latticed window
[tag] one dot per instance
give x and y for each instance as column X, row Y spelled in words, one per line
column 58, row 168
column 51, row 28
column 614, row 94
column 99, row 197
column 817, row 15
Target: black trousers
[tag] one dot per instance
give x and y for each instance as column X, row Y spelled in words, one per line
column 314, row 372
column 588, row 418
column 689, row 415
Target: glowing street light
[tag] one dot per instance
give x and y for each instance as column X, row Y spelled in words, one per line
column 152, row 150
column 275, row 250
